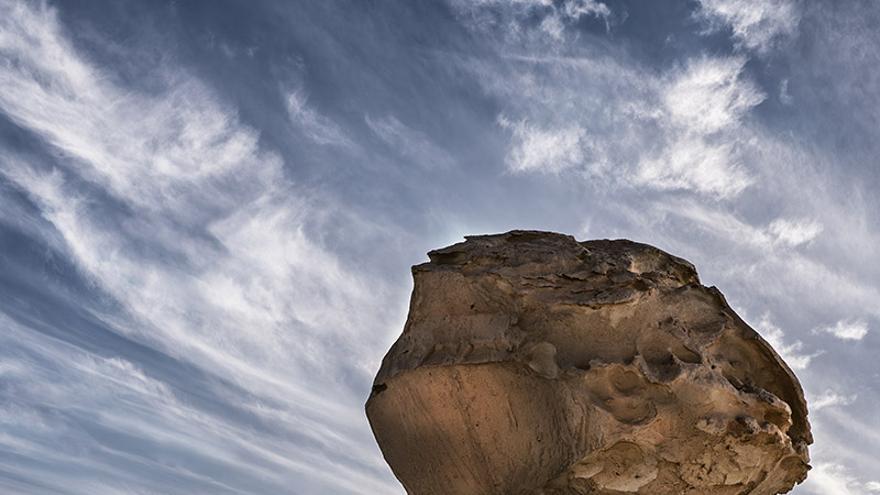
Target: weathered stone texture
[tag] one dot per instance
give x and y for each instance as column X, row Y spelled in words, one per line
column 535, row 364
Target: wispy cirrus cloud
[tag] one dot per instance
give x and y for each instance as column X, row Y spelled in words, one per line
column 830, row 477
column 212, row 254
column 69, row 400
column 412, row 144
column 779, row 235
column 200, row 253
column 794, row 232
column 312, row 124
column 587, row 114
column 538, row 20
column 792, row 353
column 710, row 95
column 543, row 150
column 743, row 252
column 847, row 329
column 755, row 25
column 705, row 104
column 686, row 159
column 830, row 398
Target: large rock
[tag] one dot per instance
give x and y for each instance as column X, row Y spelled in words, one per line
column 535, row 364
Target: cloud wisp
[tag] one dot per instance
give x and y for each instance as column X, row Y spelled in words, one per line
column 848, row 329
column 537, row 20
column 204, row 255
column 201, row 252
column 583, row 114
column 312, row 124
column 755, row 25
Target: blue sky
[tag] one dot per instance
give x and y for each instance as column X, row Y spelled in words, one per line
column 208, row 210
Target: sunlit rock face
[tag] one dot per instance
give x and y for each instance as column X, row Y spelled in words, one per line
column 535, row 364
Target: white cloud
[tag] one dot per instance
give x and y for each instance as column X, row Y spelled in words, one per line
column 873, row 486
column 854, row 429
column 210, row 251
column 184, row 158
column 118, row 396
column 784, row 95
column 409, row 143
column 794, row 233
column 143, row 148
column 756, row 24
column 543, row 150
column 752, row 260
column 693, row 129
column 695, row 165
column 575, row 9
column 791, row 353
column 514, row 17
column 833, row 478
column 610, row 119
column 704, row 105
column 313, row 125
column 830, row 398
column 710, row 96
column 572, row 11
column 780, row 234
column 553, row 26
column 848, row 329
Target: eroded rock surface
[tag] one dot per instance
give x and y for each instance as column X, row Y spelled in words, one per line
column 535, row 364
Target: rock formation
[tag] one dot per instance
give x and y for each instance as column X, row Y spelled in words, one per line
column 535, row 364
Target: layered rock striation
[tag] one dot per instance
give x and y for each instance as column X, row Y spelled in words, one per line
column 531, row 363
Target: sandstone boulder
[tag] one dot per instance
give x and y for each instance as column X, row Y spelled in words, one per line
column 531, row 363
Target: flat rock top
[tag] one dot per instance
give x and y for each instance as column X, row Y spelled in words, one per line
column 533, row 363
